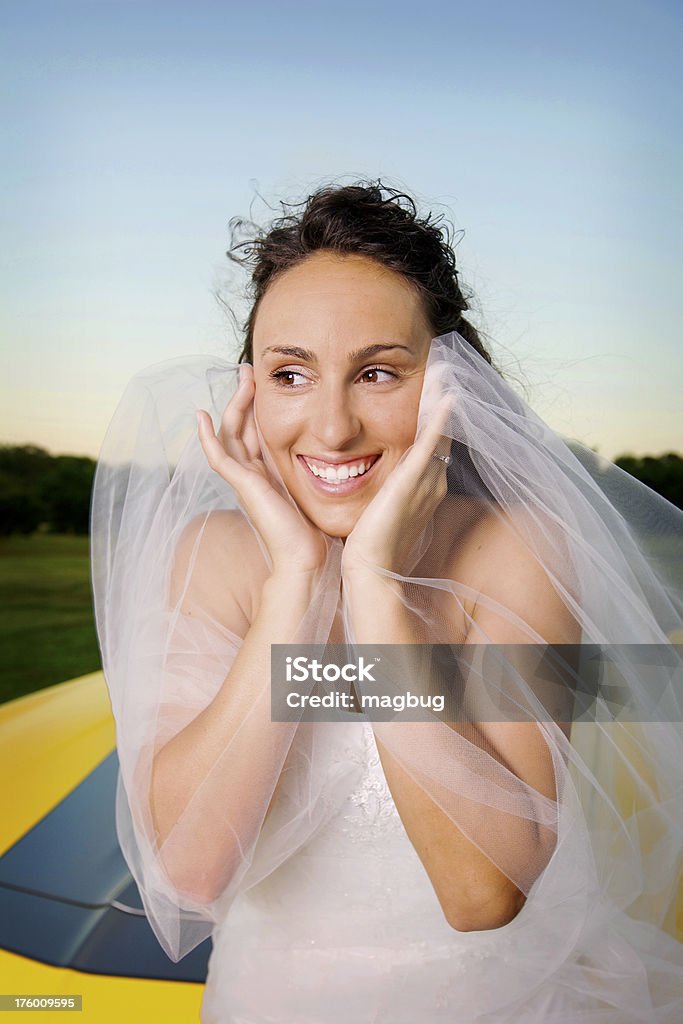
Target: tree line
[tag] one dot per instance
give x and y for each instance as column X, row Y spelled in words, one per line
column 40, row 491
column 664, row 474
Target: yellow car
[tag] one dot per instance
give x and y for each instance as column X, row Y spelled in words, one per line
column 71, row 919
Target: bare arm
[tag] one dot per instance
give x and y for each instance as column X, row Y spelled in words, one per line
column 473, row 892
column 213, row 783
column 226, row 763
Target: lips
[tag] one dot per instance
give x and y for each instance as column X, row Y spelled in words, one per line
column 341, row 477
column 335, row 472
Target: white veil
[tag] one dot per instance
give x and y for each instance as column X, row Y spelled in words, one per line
column 597, row 852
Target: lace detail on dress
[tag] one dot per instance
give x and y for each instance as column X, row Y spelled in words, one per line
column 374, row 813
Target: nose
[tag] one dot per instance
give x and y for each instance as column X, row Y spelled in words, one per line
column 334, row 421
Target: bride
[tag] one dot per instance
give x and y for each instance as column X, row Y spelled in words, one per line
column 366, row 476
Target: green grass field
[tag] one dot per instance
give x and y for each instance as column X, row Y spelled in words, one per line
column 48, row 627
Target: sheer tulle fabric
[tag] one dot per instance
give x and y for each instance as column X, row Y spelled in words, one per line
column 596, row 848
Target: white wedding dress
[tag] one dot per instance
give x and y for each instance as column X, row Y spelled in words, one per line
column 328, row 915
column 349, row 931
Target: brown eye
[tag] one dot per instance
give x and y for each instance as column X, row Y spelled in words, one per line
column 378, row 369
column 284, row 378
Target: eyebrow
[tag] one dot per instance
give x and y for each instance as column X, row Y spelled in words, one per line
column 360, row 353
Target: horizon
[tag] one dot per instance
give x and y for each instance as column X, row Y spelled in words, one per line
column 552, row 142
column 568, row 440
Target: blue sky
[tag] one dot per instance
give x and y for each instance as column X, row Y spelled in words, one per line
column 550, row 133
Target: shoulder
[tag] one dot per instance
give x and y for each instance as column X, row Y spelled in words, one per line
column 218, row 567
column 493, row 558
column 515, row 602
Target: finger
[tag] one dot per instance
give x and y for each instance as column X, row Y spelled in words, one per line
column 435, row 438
column 433, row 388
column 233, row 415
column 437, row 432
column 250, row 435
column 249, row 432
column 219, row 460
column 234, row 411
column 251, row 488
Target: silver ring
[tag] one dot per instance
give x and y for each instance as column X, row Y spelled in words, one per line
column 442, row 458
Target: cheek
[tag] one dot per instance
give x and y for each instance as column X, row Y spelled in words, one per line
column 278, row 422
column 400, row 425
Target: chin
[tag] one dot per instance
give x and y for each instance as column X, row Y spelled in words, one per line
column 335, row 527
column 333, row 522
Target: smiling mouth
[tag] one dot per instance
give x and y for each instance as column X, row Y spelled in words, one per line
column 345, row 475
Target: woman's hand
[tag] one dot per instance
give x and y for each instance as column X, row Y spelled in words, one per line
column 388, row 529
column 295, row 545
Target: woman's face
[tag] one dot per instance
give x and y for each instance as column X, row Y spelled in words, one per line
column 340, row 345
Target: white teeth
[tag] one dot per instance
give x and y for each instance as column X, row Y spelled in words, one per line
column 334, row 474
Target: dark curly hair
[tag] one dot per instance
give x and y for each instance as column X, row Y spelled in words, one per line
column 364, row 219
